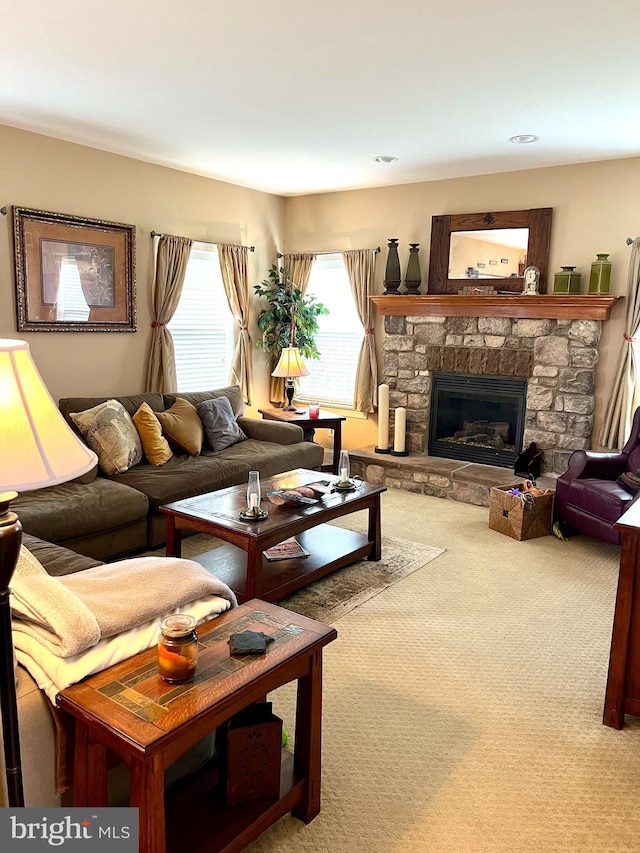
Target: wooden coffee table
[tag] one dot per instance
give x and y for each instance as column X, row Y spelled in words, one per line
column 241, row 563
column 128, row 710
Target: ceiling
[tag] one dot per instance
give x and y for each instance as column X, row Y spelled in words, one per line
column 296, row 97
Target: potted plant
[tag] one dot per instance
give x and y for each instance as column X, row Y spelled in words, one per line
column 290, row 319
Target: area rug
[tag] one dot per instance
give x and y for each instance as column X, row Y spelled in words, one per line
column 340, row 592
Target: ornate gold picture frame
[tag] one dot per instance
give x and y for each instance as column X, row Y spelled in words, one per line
column 73, row 274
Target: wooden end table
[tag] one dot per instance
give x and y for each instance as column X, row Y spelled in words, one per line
column 241, row 563
column 309, row 426
column 148, row 724
column 623, row 681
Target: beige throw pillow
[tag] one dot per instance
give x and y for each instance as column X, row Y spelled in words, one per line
column 111, row 434
column 155, row 445
column 182, row 426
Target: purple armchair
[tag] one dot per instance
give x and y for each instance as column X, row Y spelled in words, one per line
column 588, row 495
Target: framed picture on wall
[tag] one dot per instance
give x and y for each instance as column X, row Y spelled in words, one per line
column 73, row 274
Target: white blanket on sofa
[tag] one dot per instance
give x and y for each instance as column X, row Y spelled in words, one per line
column 72, row 613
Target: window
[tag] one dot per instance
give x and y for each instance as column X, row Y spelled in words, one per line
column 332, row 377
column 71, row 306
column 203, row 326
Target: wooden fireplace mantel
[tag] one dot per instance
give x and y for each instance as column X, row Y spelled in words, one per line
column 556, row 306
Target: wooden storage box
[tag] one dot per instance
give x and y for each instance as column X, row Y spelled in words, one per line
column 253, row 755
column 508, row 514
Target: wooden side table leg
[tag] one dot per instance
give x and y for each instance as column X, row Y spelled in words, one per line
column 147, row 794
column 375, row 529
column 308, row 748
column 90, row 770
column 253, row 588
column 619, row 656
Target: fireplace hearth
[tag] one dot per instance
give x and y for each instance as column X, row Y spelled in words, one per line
column 477, row 418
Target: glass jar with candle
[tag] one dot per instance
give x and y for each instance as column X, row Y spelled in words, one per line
column 254, row 494
column 344, row 469
column 177, row 648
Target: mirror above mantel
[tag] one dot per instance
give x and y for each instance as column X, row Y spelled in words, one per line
column 493, row 246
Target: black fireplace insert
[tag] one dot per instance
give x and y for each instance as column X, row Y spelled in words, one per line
column 477, row 418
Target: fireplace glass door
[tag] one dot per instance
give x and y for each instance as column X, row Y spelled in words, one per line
column 477, row 418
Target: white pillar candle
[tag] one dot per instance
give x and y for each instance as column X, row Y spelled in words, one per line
column 383, row 417
column 400, row 429
column 253, row 498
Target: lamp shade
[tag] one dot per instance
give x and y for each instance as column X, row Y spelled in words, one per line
column 290, row 363
column 37, row 446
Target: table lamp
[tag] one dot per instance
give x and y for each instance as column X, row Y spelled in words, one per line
column 37, row 449
column 290, row 365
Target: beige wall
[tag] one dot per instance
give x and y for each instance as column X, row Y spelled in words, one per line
column 47, row 174
column 595, row 208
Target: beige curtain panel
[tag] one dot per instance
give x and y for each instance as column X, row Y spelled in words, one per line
column 233, row 265
column 361, row 267
column 624, row 399
column 171, row 265
column 299, row 266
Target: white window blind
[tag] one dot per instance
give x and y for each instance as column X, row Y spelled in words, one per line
column 202, row 327
column 71, row 306
column 340, row 333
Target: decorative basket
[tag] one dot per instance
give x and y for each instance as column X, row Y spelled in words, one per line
column 509, row 515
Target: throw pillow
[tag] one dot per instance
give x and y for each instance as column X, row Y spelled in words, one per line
column 220, row 425
column 630, row 481
column 155, row 445
column 111, row 434
column 182, row 426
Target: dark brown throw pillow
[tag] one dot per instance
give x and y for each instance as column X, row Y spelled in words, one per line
column 630, row 481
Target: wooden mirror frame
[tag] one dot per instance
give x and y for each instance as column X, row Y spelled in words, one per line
column 537, row 220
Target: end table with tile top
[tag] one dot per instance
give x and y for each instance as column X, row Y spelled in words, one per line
column 127, row 709
column 325, row 420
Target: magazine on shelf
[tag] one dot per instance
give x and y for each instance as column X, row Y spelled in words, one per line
column 290, row 549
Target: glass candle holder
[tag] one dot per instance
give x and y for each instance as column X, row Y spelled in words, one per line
column 254, row 494
column 344, row 468
column 314, row 410
column 177, row 648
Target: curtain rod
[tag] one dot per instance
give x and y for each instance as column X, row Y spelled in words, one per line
column 630, row 240
column 337, row 252
column 209, row 242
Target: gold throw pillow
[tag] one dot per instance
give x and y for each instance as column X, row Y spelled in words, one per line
column 155, row 445
column 182, row 426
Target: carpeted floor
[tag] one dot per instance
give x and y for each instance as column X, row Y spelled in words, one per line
column 463, row 704
column 340, row 592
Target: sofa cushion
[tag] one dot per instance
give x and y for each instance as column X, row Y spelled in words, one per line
column 231, row 392
column 269, row 458
column 219, row 422
column 56, row 559
column 155, row 445
column 182, row 426
column 110, row 432
column 185, row 476
column 72, row 510
column 132, row 403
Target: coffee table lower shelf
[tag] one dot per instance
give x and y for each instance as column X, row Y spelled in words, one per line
column 330, row 548
column 198, row 821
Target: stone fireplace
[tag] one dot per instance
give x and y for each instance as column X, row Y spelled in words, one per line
column 557, row 359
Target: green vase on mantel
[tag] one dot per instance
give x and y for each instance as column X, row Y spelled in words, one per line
column 600, row 279
column 566, row 281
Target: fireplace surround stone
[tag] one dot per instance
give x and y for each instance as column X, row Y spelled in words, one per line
column 558, row 357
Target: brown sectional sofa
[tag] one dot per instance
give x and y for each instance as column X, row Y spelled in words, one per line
column 107, row 517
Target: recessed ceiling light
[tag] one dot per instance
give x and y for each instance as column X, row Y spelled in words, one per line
column 385, row 158
column 524, row 138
